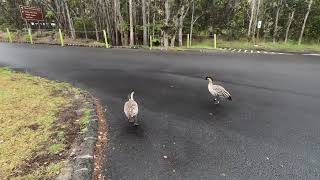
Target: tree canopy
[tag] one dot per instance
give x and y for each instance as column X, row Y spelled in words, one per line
column 134, row 21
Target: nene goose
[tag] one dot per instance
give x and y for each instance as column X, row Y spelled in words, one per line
column 217, row 91
column 131, row 109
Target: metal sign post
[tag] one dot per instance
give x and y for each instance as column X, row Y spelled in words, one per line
column 259, row 27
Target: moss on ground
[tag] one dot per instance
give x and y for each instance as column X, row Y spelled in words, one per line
column 29, row 108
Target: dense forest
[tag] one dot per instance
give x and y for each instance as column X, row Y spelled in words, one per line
column 131, row 22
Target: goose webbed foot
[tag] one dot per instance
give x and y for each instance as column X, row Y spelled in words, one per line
column 216, row 101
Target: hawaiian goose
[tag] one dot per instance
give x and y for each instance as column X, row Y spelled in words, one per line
column 217, row 91
column 131, row 109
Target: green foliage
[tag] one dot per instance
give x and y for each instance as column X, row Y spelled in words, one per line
column 56, row 148
column 50, row 14
column 85, row 119
column 156, row 41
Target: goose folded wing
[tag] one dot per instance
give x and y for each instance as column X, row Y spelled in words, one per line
column 222, row 92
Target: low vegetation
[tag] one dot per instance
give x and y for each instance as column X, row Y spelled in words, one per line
column 38, row 124
column 279, row 46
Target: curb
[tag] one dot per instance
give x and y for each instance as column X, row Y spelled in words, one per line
column 81, row 162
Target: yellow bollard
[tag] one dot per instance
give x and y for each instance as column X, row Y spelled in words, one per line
column 188, row 41
column 9, row 35
column 30, row 36
column 61, row 38
column 215, row 41
column 151, row 43
column 105, row 38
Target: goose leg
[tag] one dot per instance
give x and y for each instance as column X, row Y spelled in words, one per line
column 136, row 121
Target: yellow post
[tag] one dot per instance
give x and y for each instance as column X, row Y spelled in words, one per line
column 105, row 38
column 188, row 41
column 9, row 35
column 215, row 41
column 151, row 42
column 61, row 38
column 30, row 36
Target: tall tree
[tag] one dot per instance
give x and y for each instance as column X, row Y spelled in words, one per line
column 183, row 13
column 70, row 21
column 144, row 21
column 253, row 9
column 131, row 23
column 305, row 21
column 275, row 32
column 290, row 19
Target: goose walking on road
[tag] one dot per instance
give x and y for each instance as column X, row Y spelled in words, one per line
column 217, row 91
column 131, row 109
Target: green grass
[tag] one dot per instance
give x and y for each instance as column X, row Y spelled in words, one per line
column 85, row 119
column 279, row 46
column 56, row 148
column 28, row 110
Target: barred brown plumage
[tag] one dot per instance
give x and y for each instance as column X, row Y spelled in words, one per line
column 131, row 109
column 217, row 91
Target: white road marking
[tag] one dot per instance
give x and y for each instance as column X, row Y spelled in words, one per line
column 251, row 51
column 239, row 50
column 233, row 50
column 258, row 51
column 311, row 54
column 245, row 51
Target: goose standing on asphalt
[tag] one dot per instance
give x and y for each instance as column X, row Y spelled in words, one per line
column 131, row 109
column 217, row 91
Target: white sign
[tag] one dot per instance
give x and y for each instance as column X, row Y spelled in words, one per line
column 259, row 24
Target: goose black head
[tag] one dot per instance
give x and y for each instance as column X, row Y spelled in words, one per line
column 208, row 77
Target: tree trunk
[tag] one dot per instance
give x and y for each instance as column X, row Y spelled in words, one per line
column 116, row 24
column 275, row 33
column 70, row 21
column 173, row 40
column 191, row 24
column 65, row 19
column 85, row 29
column 305, row 21
column 166, row 23
column 153, row 24
column 108, row 21
column 148, row 19
column 255, row 21
column 291, row 15
column 96, row 28
column 181, row 19
column 144, row 21
column 58, row 13
column 253, row 5
column 131, row 23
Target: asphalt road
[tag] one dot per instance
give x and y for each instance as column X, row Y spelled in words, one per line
column 271, row 129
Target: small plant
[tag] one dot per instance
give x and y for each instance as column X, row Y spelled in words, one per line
column 26, row 37
column 85, row 119
column 56, row 148
column 61, row 136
